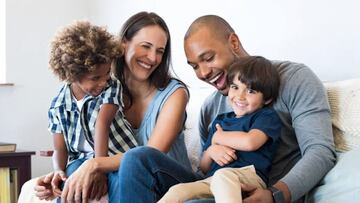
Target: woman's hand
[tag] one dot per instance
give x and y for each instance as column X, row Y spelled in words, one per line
column 99, row 186
column 77, row 185
column 222, row 155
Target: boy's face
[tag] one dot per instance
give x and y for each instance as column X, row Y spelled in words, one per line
column 210, row 58
column 92, row 83
column 244, row 100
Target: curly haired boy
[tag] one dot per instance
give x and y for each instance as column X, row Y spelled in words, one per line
column 86, row 117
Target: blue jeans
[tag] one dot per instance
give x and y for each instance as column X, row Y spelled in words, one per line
column 146, row 174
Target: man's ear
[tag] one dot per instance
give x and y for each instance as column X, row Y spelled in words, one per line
column 234, row 43
column 268, row 101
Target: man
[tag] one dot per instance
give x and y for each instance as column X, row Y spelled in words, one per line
column 306, row 149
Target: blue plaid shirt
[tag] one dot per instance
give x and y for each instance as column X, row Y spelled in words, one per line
column 65, row 118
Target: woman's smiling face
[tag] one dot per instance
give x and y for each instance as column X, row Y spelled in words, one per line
column 144, row 52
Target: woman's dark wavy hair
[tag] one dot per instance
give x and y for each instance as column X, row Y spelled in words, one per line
column 258, row 74
column 161, row 75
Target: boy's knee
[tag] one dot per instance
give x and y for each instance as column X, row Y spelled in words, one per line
column 221, row 176
column 176, row 194
column 175, row 189
column 221, row 173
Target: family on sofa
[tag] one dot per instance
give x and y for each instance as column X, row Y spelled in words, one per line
column 154, row 103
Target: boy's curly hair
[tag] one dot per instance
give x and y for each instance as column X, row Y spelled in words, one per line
column 79, row 47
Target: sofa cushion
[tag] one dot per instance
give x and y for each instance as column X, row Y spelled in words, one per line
column 344, row 99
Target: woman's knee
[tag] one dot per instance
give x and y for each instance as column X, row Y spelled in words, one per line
column 138, row 156
column 141, row 152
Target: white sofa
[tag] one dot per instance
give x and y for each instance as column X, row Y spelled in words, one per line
column 341, row 184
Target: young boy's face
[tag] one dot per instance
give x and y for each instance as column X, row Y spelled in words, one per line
column 92, row 83
column 244, row 100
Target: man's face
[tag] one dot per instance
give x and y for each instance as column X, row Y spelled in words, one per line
column 210, row 58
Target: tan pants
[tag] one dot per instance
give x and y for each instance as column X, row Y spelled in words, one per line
column 224, row 185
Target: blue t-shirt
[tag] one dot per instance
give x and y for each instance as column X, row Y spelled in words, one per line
column 264, row 119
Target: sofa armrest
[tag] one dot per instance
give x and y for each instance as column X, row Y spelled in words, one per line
column 342, row 183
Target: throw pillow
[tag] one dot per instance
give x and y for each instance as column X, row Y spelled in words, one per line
column 344, row 99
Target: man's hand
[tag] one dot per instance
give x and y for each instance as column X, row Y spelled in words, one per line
column 43, row 188
column 222, row 155
column 256, row 195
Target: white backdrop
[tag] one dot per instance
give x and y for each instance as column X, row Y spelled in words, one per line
column 324, row 34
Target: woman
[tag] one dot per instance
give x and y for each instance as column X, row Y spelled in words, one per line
column 154, row 105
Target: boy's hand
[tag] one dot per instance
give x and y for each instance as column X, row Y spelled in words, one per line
column 219, row 130
column 43, row 189
column 222, row 155
column 58, row 177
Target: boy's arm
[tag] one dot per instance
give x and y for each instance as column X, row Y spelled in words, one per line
column 239, row 140
column 105, row 117
column 59, row 158
column 220, row 154
column 60, row 155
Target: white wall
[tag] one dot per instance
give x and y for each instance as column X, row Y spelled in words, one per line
column 2, row 42
column 322, row 34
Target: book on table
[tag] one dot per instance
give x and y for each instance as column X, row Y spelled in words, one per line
column 8, row 185
column 7, row 147
column 4, row 185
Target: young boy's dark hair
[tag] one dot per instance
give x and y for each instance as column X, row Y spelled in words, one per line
column 258, row 74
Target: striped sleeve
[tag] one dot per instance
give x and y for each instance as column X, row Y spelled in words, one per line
column 112, row 94
column 54, row 122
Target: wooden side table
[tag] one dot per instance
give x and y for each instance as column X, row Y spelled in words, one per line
column 21, row 160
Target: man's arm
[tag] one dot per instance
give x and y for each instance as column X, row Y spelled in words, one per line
column 220, row 154
column 306, row 100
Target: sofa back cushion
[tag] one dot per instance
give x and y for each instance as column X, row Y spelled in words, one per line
column 344, row 99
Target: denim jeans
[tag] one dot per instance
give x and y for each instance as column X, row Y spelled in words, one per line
column 113, row 186
column 146, row 174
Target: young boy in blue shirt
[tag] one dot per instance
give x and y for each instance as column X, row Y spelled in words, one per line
column 241, row 143
column 86, row 117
